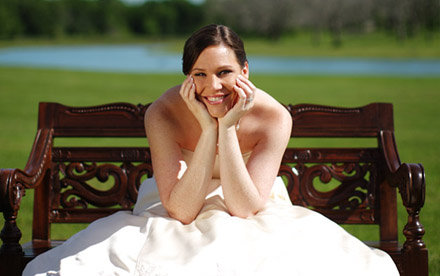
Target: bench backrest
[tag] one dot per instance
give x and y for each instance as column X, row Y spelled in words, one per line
column 350, row 178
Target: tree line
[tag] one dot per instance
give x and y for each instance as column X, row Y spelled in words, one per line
column 268, row 18
column 273, row 18
column 52, row 18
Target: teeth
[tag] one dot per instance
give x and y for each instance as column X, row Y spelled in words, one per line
column 214, row 99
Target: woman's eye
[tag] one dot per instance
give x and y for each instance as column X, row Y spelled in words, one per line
column 199, row 74
column 224, row 72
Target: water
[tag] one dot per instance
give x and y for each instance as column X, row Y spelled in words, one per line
column 151, row 59
column 93, row 58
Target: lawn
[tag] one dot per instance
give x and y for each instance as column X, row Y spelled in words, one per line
column 299, row 44
column 415, row 102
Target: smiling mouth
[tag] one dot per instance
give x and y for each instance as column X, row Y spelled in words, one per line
column 216, row 99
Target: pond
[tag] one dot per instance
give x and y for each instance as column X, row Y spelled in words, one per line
column 152, row 59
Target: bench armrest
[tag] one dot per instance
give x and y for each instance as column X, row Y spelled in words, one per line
column 13, row 183
column 409, row 179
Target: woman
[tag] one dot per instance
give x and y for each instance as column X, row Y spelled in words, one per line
column 216, row 143
column 216, row 111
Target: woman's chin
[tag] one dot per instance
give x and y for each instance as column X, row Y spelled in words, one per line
column 217, row 113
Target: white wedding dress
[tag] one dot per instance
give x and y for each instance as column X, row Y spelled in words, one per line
column 281, row 239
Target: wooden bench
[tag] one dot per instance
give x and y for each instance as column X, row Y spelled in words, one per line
column 362, row 181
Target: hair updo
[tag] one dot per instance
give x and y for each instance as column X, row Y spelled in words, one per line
column 208, row 36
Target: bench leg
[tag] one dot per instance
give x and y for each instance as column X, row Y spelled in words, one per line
column 11, row 264
column 415, row 262
column 11, row 253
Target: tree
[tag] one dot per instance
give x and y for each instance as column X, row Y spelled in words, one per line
column 268, row 18
column 10, row 24
column 261, row 17
column 107, row 16
column 171, row 17
column 38, row 18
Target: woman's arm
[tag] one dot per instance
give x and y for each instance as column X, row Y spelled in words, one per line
column 183, row 198
column 247, row 187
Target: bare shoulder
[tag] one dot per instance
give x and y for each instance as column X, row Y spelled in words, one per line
column 269, row 123
column 271, row 112
column 169, row 119
column 163, row 118
column 161, row 110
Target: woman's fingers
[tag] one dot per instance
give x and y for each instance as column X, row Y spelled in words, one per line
column 192, row 90
column 185, row 88
column 182, row 89
column 188, row 93
column 246, row 90
column 247, row 82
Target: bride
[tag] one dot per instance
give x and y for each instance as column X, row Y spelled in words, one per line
column 215, row 205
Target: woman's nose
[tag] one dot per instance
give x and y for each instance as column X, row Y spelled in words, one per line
column 215, row 83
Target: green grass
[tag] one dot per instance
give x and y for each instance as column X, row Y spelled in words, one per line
column 372, row 45
column 415, row 102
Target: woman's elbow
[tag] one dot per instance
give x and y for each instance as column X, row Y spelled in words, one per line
column 243, row 215
column 245, row 211
column 183, row 217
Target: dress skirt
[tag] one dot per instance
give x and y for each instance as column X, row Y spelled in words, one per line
column 281, row 239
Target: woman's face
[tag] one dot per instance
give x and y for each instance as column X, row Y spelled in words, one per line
column 215, row 73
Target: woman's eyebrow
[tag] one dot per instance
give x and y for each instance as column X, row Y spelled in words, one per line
column 217, row 69
column 197, row 69
column 225, row 67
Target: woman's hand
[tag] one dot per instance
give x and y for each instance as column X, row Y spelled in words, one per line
column 198, row 109
column 245, row 90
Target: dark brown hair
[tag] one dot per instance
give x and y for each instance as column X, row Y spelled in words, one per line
column 208, row 36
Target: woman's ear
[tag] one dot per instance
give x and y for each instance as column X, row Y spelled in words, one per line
column 245, row 70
